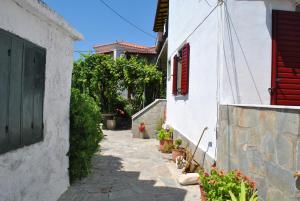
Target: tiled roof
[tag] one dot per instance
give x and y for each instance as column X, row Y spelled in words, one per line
column 127, row 47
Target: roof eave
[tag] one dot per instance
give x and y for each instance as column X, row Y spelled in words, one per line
column 41, row 10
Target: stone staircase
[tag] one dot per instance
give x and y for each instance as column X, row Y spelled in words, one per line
column 152, row 116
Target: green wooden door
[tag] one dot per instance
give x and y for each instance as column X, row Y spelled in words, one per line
column 39, row 83
column 28, row 95
column 15, row 91
column 33, row 94
column 5, row 52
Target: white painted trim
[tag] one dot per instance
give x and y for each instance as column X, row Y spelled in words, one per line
column 265, row 106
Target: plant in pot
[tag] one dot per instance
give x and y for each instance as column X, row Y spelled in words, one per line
column 165, row 138
column 177, row 151
column 142, row 129
column 219, row 185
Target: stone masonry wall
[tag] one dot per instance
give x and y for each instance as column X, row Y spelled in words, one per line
column 152, row 116
column 265, row 144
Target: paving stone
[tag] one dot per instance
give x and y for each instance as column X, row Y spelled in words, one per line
column 130, row 169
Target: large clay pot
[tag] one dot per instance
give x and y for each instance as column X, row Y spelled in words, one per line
column 162, row 143
column 111, row 124
column 177, row 152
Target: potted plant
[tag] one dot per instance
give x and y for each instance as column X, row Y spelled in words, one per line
column 111, row 122
column 165, row 138
column 177, row 151
column 142, row 129
column 219, row 185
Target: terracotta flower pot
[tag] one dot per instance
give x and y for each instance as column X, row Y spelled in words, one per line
column 110, row 124
column 177, row 152
column 142, row 127
column 203, row 193
column 162, row 143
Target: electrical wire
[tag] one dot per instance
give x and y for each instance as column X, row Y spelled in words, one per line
column 126, row 20
column 79, row 51
column 220, row 2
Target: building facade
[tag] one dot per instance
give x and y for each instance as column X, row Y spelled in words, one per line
column 36, row 66
column 232, row 52
column 121, row 48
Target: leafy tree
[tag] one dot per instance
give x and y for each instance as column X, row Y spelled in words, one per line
column 97, row 76
column 104, row 78
column 137, row 76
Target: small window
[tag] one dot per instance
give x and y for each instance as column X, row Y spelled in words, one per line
column 22, row 80
column 298, row 8
column 181, row 63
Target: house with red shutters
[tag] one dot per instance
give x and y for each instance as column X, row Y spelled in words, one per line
column 234, row 66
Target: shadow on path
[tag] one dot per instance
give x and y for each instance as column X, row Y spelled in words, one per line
column 109, row 182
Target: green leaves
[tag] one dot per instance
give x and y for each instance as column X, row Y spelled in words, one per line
column 96, row 75
column 221, row 186
column 85, row 133
column 243, row 195
column 104, row 79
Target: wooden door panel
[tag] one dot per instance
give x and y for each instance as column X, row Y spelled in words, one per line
column 5, row 49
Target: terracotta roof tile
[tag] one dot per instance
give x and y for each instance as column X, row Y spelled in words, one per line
column 128, row 47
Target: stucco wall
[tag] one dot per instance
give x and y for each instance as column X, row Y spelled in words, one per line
column 247, row 50
column 190, row 114
column 230, row 60
column 40, row 172
column 152, row 116
column 264, row 143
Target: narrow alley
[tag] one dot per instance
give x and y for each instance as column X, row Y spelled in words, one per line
column 130, row 169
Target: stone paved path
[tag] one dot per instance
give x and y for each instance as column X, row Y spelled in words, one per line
column 130, row 169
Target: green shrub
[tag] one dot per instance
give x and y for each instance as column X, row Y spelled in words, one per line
column 167, row 148
column 218, row 185
column 177, row 143
column 165, row 134
column 85, row 134
column 242, row 195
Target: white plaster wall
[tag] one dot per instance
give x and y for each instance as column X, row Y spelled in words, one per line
column 248, row 50
column 40, row 172
column 191, row 113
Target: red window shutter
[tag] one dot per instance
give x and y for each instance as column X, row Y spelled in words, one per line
column 175, row 64
column 185, row 69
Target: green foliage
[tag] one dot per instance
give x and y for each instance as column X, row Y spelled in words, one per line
column 167, row 148
column 103, row 78
column 85, row 133
column 98, row 76
column 129, row 109
column 137, row 75
column 177, row 143
column 165, row 134
column 242, row 195
column 217, row 185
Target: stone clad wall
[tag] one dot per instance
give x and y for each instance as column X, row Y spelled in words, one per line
column 152, row 116
column 265, row 144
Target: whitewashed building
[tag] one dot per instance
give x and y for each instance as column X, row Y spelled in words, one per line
column 239, row 53
column 36, row 59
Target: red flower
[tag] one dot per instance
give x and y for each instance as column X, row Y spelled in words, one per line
column 212, row 182
column 252, row 184
column 238, row 174
column 222, row 173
